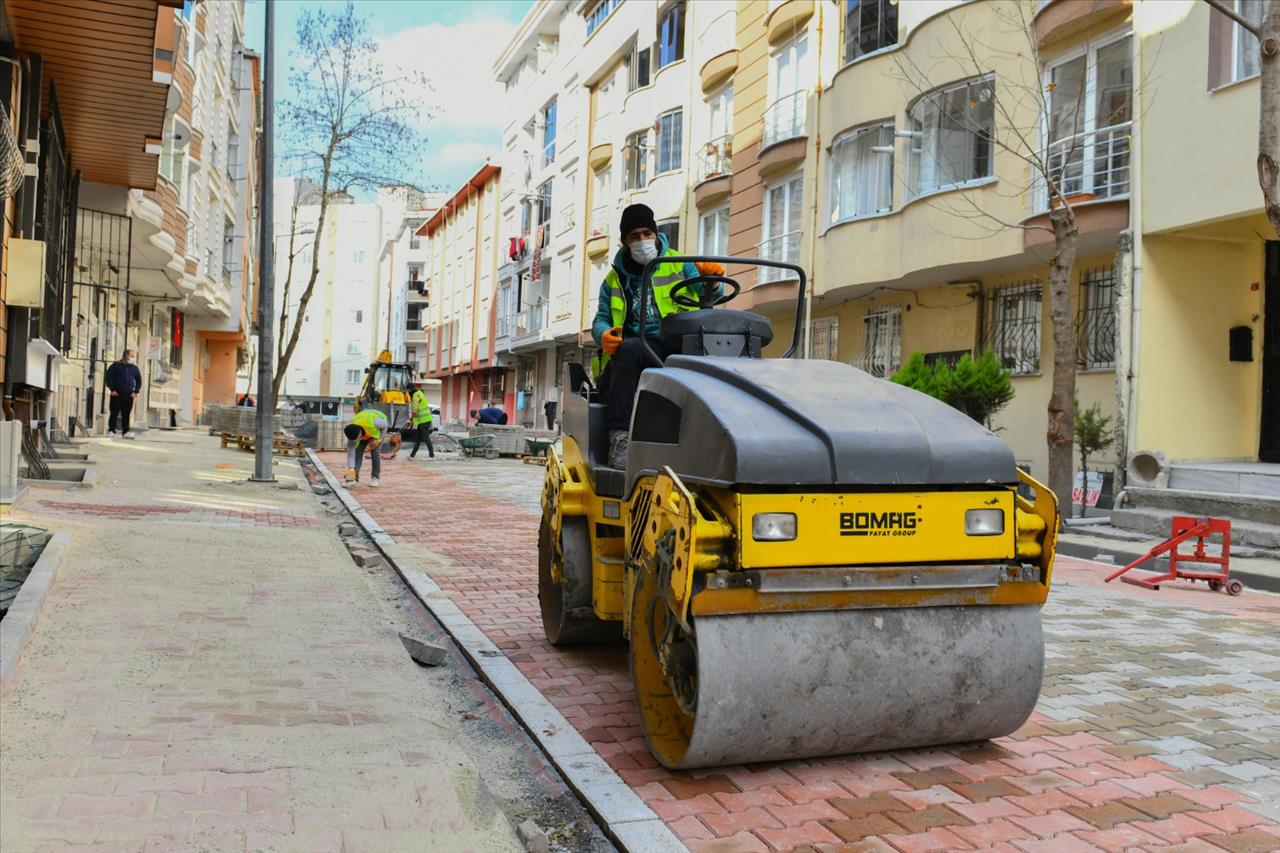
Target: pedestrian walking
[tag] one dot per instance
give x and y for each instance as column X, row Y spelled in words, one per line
column 123, row 381
column 422, row 421
column 364, row 433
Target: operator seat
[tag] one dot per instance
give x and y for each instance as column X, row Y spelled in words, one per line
column 716, row 331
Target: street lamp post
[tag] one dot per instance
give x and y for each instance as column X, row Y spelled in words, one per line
column 265, row 440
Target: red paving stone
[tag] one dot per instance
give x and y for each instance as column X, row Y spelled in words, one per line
column 1026, row 792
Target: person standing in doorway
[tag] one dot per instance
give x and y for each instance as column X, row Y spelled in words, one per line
column 422, row 421
column 123, row 381
column 364, row 433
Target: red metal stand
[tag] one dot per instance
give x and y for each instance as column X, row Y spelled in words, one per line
column 1187, row 527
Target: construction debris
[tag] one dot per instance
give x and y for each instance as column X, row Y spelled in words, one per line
column 533, row 838
column 427, row 654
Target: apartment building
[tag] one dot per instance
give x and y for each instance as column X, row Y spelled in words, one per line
column 183, row 255
column 463, row 252
column 88, row 101
column 340, row 334
column 402, row 272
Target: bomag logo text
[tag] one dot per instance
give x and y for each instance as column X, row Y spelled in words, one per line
column 878, row 523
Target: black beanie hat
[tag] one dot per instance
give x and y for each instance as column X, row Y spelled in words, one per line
column 352, row 431
column 637, row 216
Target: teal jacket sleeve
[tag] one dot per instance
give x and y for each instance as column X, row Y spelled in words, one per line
column 604, row 315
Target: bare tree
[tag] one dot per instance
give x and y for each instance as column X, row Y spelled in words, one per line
column 1023, row 116
column 1267, row 31
column 352, row 126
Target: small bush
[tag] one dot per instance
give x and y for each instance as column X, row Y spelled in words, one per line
column 979, row 387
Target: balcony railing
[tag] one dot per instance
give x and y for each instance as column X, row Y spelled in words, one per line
column 784, row 247
column 504, row 325
column 602, row 219
column 785, row 118
column 532, row 320
column 716, row 158
column 1090, row 166
column 417, row 285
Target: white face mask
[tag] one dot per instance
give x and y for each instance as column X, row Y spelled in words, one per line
column 130, row 360
column 643, row 251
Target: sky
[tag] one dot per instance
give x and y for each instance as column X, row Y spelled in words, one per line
column 454, row 43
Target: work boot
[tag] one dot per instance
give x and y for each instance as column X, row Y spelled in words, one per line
column 373, row 483
column 350, row 475
column 618, row 443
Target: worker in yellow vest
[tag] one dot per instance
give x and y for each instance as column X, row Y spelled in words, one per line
column 616, row 328
column 420, row 414
column 364, row 433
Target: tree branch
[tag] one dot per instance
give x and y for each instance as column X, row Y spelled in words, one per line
column 1235, row 16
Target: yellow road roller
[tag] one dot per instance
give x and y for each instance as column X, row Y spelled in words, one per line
column 803, row 559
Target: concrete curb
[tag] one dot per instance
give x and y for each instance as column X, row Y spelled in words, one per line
column 623, row 816
column 20, row 622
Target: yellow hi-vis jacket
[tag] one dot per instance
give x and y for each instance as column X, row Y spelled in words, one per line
column 421, row 408
column 665, row 277
column 371, row 421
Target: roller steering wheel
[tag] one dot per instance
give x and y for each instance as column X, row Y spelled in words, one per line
column 705, row 300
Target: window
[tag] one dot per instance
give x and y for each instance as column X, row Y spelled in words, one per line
column 549, row 133
column 670, row 140
column 782, row 216
column 637, row 160
column 543, row 203
column 1245, row 59
column 1014, row 333
column 1097, row 321
column 671, row 35
column 717, row 153
column 1090, row 109
column 784, row 118
column 951, row 132
column 413, row 317
column 415, row 242
column 882, row 347
column 599, row 12
column 869, row 25
column 359, row 316
column 862, row 172
column 824, row 337
column 353, row 348
column 714, row 232
column 358, row 257
column 638, row 69
column 671, row 230
column 353, row 377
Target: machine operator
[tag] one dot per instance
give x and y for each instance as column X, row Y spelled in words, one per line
column 616, row 328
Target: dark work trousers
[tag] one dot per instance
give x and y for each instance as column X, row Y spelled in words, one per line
column 355, row 455
column 621, row 376
column 422, row 434
column 122, row 408
column 550, row 410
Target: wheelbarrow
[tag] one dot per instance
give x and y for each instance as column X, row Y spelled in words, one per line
column 478, row 445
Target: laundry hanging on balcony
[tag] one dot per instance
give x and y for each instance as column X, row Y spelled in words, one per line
column 517, row 249
column 535, row 270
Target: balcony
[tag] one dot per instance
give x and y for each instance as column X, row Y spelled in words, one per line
column 601, row 153
column 416, row 290
column 718, row 42
column 784, row 119
column 714, row 171
column 784, row 247
column 1092, row 171
column 531, row 325
column 1059, row 20
column 602, row 220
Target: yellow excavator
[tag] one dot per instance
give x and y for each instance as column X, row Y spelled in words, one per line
column 387, row 388
column 804, row 559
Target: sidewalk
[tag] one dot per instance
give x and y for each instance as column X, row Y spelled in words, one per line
column 211, row 671
column 1157, row 726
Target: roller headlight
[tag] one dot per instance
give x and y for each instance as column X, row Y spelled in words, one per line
column 773, row 526
column 984, row 522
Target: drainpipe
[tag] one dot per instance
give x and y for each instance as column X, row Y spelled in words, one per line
column 817, row 159
column 1135, row 226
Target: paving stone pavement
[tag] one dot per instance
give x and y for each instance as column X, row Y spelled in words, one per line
column 211, row 671
column 1158, row 726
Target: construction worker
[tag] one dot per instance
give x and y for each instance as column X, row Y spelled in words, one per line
column 364, row 432
column 420, row 409
column 616, row 328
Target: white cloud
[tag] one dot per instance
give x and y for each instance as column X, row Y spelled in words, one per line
column 458, row 61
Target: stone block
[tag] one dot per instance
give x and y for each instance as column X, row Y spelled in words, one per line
column 429, row 654
column 533, row 838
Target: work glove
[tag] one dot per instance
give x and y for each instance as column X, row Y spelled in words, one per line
column 611, row 340
column 710, row 268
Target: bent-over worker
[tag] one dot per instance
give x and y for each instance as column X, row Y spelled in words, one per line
column 364, row 433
